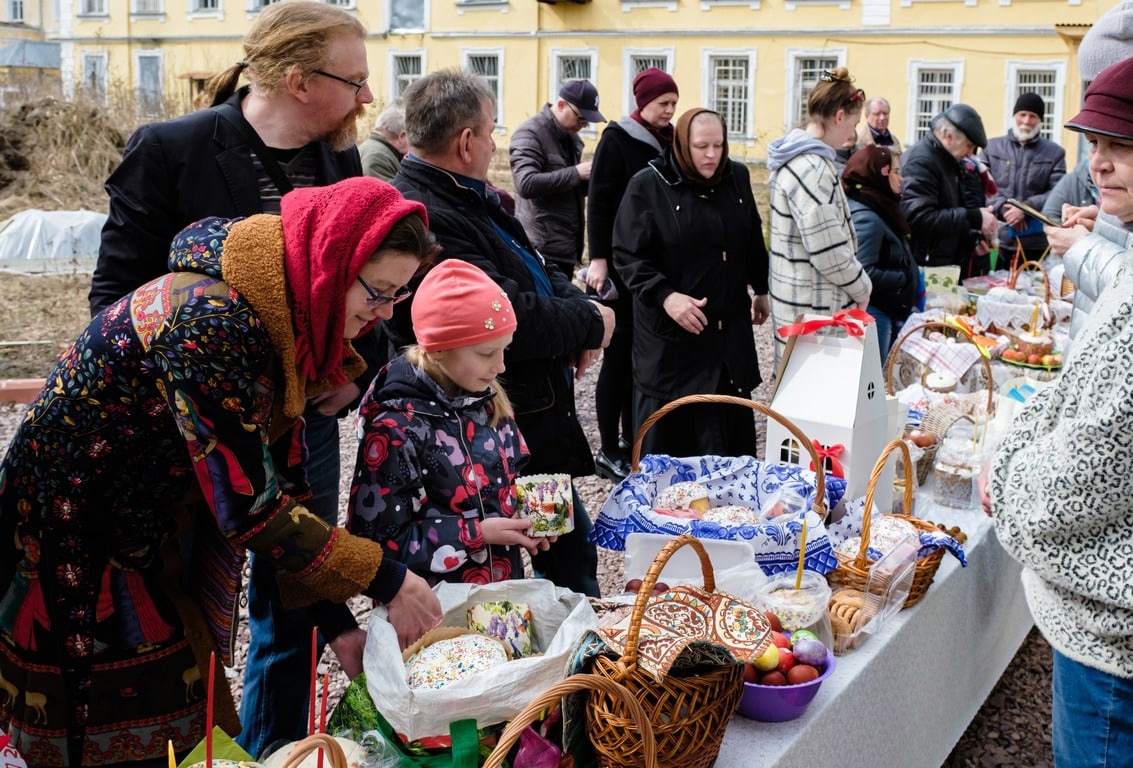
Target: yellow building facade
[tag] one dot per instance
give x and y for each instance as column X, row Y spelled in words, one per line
column 753, row 60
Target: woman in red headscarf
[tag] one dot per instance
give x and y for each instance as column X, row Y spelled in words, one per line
column 167, row 441
column 688, row 242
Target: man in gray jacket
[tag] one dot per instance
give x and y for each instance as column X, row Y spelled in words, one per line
column 550, row 177
column 382, row 151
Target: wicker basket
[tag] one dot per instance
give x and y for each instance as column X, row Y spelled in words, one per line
column 336, row 758
column 640, row 730
column 688, row 714
column 853, row 572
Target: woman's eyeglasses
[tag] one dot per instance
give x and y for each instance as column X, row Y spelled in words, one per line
column 379, row 299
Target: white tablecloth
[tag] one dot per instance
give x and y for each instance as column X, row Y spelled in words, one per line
column 906, row 695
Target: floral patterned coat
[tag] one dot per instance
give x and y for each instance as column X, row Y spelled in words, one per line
column 429, row 469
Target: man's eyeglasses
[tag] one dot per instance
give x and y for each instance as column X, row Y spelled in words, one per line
column 577, row 114
column 357, row 86
column 379, row 299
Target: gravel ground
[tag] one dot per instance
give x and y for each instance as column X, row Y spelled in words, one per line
column 1011, row 730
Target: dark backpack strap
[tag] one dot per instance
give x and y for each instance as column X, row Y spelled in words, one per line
column 267, row 159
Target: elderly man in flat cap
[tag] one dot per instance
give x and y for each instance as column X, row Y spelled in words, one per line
column 1025, row 167
column 946, row 228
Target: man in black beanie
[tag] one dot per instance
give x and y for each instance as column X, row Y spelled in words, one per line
column 1025, row 167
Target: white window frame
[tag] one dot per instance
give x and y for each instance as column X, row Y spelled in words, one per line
column 915, row 67
column 794, row 5
column 93, row 9
column 388, row 5
column 346, row 5
column 104, row 85
column 465, row 64
column 630, row 72
column 159, row 55
column 158, row 11
column 706, row 84
column 708, row 5
column 969, row 3
column 195, row 11
column 794, row 90
column 499, row 6
column 555, row 82
column 1055, row 111
column 630, row 5
column 15, row 11
column 391, row 60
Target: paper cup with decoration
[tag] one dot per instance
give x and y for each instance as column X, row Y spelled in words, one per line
column 547, row 500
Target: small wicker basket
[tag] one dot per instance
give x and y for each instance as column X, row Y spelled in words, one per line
column 854, row 571
column 336, row 758
column 640, row 729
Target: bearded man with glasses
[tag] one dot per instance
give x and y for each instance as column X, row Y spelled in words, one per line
column 293, row 125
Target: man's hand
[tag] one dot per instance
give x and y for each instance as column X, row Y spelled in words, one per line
column 1014, row 217
column 583, row 170
column 607, row 322
column 760, row 309
column 584, row 360
column 414, row 611
column 983, row 248
column 685, row 311
column 989, row 225
column 1062, row 238
column 1073, row 216
column 330, row 403
column 348, row 647
column 596, row 274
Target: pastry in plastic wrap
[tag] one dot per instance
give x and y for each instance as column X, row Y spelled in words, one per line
column 687, row 495
column 447, row 660
column 731, row 515
column 548, row 500
column 508, row 622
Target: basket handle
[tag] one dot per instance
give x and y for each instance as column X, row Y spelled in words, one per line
column 819, row 505
column 336, row 758
column 645, row 591
column 1030, row 265
column 555, row 693
column 936, row 325
column 874, row 477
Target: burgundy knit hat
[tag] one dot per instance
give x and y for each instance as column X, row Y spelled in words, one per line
column 1108, row 106
column 651, row 84
column 458, row 305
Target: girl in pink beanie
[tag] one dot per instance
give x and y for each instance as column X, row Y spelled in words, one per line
column 439, row 449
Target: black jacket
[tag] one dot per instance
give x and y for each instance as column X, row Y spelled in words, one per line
column 888, row 262
column 617, row 158
column 551, row 330
column 172, row 174
column 671, row 235
column 944, row 230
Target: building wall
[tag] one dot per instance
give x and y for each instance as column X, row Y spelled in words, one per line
column 750, row 54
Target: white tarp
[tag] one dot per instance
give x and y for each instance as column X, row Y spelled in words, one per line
column 53, row 242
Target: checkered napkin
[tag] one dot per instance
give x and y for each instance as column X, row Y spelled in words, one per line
column 949, row 356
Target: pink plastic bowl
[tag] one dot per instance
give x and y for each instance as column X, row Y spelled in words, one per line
column 778, row 703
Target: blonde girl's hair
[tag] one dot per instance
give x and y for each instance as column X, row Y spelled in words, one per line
column 501, row 405
column 286, row 36
column 835, row 90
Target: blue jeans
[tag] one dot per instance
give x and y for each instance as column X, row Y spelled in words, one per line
column 1092, row 716
column 572, row 561
column 277, row 682
column 887, row 331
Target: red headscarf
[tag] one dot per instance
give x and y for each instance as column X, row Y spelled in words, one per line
column 329, row 234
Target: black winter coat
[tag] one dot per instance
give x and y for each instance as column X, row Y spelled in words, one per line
column 944, row 230
column 617, row 158
column 888, row 262
column 674, row 236
column 551, row 330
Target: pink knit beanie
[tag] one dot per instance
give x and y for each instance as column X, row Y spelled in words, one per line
column 458, row 305
column 651, row 84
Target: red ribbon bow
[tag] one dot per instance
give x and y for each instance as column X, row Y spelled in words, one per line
column 853, row 320
column 831, row 452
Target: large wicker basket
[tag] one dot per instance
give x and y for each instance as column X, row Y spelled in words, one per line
column 688, row 714
column 854, row 571
column 640, row 729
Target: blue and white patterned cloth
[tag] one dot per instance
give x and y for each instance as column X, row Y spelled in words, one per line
column 743, row 481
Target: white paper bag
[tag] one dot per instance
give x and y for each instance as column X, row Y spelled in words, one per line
column 559, row 618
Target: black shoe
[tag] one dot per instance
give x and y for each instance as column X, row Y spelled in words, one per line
column 624, row 446
column 611, row 469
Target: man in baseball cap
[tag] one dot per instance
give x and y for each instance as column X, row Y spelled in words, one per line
column 550, row 176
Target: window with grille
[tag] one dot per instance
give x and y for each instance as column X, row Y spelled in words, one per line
column 94, row 8
column 572, row 67
column 936, row 88
column 807, row 71
column 1044, row 82
column 93, row 86
column 148, row 6
column 406, row 68
column 406, row 15
column 340, row 3
column 487, row 65
column 729, row 92
column 641, row 62
column 206, row 5
column 16, row 10
column 149, row 91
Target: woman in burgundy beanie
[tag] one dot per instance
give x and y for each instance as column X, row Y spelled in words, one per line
column 625, row 148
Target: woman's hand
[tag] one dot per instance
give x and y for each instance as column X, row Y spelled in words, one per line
column 1062, row 238
column 414, row 610
column 981, row 484
column 348, row 647
column 597, row 273
column 512, row 531
column 330, row 403
column 685, row 311
column 1073, row 215
column 760, row 309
